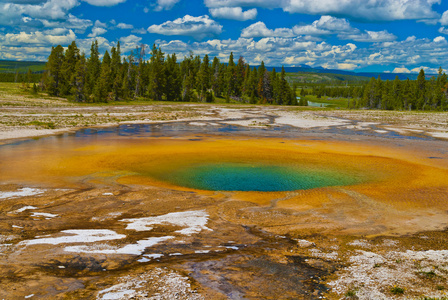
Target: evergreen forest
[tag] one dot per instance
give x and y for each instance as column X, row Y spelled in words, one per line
column 420, row 94
column 69, row 73
column 161, row 78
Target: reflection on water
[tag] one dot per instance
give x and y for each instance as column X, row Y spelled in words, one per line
column 315, row 104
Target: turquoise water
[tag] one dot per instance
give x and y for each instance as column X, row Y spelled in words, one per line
column 261, row 178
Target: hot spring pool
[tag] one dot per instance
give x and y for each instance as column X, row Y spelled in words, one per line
column 255, row 177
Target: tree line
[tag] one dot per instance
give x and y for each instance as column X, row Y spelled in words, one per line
column 69, row 73
column 419, row 94
column 18, row 77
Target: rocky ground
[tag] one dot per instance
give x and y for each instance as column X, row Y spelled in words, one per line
column 25, row 115
column 112, row 239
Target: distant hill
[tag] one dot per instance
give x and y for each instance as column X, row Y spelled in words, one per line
column 311, row 77
column 356, row 75
column 10, row 66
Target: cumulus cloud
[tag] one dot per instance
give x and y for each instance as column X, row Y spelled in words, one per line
column 72, row 22
column 259, row 29
column 165, row 4
column 97, row 31
column 125, row 26
column 386, row 10
column 427, row 70
column 444, row 19
column 140, row 30
column 98, row 23
column 233, row 13
column 197, row 27
column 245, row 3
column 10, row 13
column 130, row 42
column 401, row 70
column 130, row 39
column 443, row 30
column 369, row 36
column 104, row 2
column 38, row 38
column 324, row 26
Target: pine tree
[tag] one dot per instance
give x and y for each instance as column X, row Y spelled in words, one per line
column 230, row 77
column 261, row 71
column 284, row 89
column 116, row 74
column 246, row 89
column 93, row 68
column 421, row 90
column 53, row 70
column 103, row 84
column 78, row 79
column 68, row 69
column 217, row 82
column 173, row 79
column 140, row 52
column 253, row 85
column 239, row 77
column 204, row 78
column 156, row 78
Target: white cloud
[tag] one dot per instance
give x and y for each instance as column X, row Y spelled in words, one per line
column 130, row 42
column 38, row 38
column 444, row 19
column 370, row 36
column 259, row 29
column 339, row 66
column 130, row 39
column 384, row 10
column 104, row 2
column 140, row 30
column 427, row 70
column 11, row 13
column 401, row 70
column 197, row 27
column 165, row 4
column 440, row 39
column 98, row 23
column 97, row 31
column 233, row 13
column 332, row 24
column 324, row 26
column 72, row 22
column 125, row 26
column 443, row 30
column 245, row 3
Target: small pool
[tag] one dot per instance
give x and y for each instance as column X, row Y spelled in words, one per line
column 258, row 177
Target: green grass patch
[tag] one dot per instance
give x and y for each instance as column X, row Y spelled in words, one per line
column 9, row 66
column 328, row 102
column 397, row 290
column 46, row 125
column 429, row 275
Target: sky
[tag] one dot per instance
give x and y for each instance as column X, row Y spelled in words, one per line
column 399, row 36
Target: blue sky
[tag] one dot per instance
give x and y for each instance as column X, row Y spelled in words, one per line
column 360, row 35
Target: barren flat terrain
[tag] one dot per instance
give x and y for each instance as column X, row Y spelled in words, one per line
column 104, row 206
